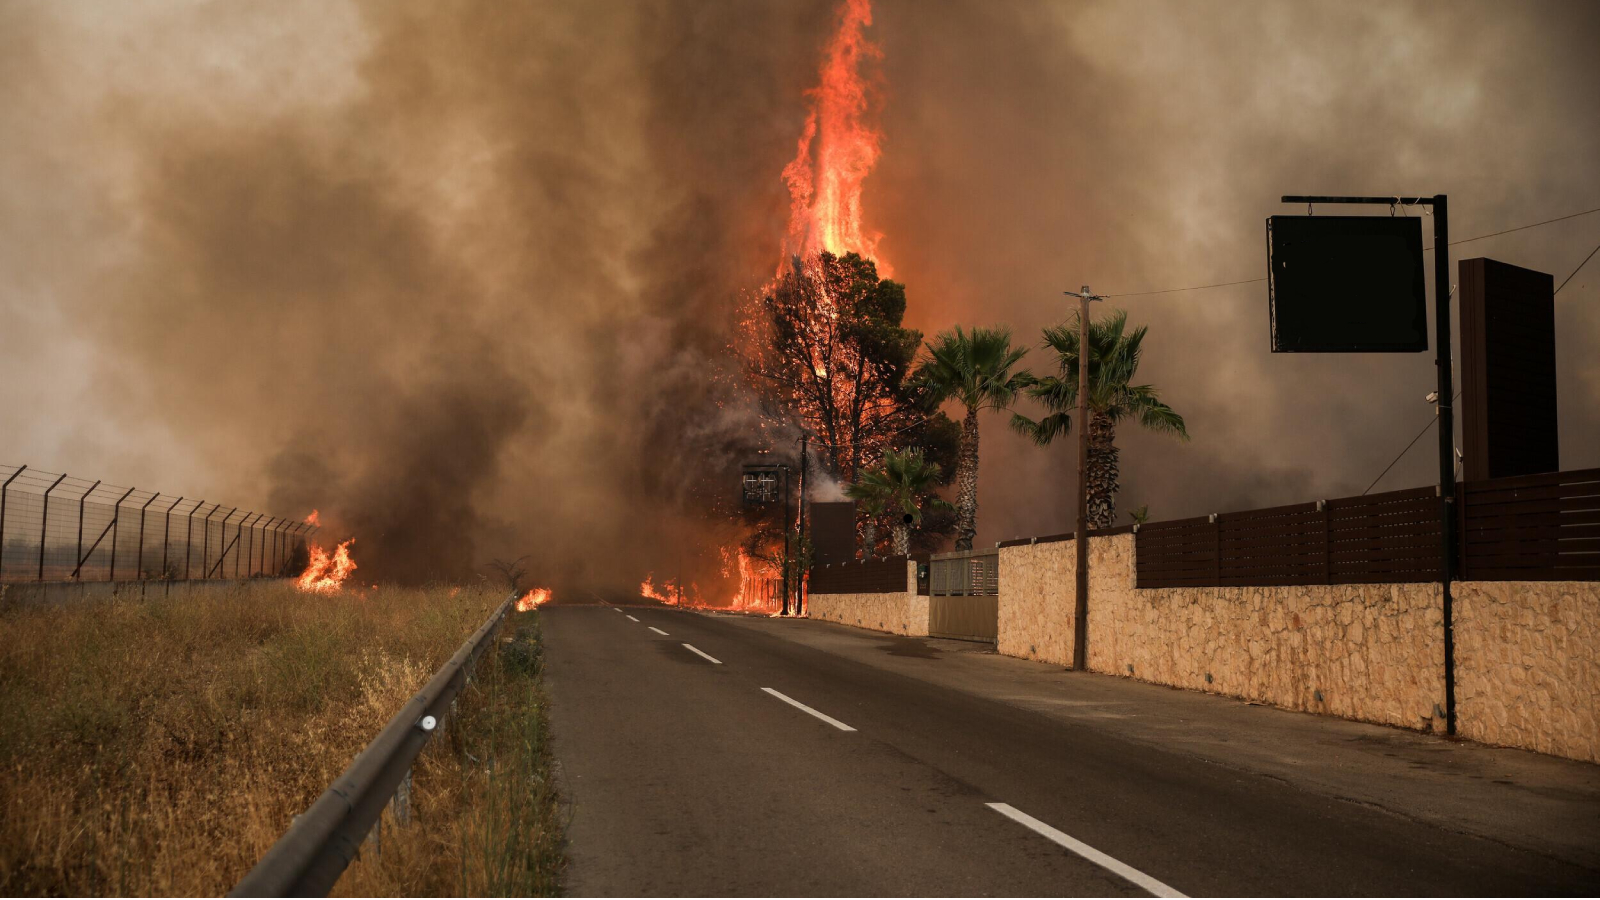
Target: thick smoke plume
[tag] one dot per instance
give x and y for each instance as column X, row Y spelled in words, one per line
column 463, row 275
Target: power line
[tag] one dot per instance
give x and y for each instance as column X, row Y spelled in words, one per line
column 1407, row 449
column 1579, row 268
column 1201, row 287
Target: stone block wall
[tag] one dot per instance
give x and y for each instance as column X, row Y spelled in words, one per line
column 896, row 612
column 1527, row 674
column 1369, row 652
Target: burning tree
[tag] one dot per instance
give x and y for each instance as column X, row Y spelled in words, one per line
column 832, row 352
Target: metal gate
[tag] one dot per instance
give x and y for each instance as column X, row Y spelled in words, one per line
column 964, row 595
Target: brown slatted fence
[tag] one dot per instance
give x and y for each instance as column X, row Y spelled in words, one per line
column 1384, row 538
column 1179, row 553
column 878, row 576
column 1281, row 545
column 1390, row 537
column 1532, row 528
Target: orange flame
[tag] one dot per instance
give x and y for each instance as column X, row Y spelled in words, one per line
column 535, row 597
column 760, row 583
column 314, row 519
column 667, row 593
column 326, row 572
column 837, row 150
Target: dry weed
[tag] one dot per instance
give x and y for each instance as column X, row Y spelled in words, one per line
column 160, row 747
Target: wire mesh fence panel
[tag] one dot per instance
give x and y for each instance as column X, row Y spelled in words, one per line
column 59, row 527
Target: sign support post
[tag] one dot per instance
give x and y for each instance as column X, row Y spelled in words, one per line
column 1447, row 464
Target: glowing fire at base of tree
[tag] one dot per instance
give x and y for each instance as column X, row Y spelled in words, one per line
column 326, row 572
column 667, row 593
column 533, row 598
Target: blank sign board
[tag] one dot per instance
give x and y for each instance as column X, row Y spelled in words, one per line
column 1346, row 284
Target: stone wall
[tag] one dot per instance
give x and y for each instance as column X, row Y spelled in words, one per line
column 1370, row 652
column 897, row 612
column 1526, row 668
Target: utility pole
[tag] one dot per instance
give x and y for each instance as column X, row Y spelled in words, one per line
column 1080, row 537
column 800, row 541
column 786, row 542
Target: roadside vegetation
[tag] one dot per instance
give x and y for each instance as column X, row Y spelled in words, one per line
column 485, row 815
column 160, row 747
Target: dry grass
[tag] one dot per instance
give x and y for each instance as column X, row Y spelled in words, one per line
column 485, row 814
column 160, row 747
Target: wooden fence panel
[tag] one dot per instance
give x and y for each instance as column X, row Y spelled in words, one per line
column 1532, row 527
column 878, row 576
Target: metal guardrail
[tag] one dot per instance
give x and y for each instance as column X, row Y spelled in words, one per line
column 321, row 842
column 974, row 573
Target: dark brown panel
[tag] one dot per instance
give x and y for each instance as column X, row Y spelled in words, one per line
column 1508, row 372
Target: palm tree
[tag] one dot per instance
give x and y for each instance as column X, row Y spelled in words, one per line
column 872, row 502
column 1114, row 354
column 900, row 486
column 974, row 367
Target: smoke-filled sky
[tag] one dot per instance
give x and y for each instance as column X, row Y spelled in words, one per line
column 461, row 275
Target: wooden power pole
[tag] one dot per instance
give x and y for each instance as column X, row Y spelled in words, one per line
column 1080, row 537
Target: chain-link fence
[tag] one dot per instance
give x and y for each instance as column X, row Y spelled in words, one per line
column 57, row 527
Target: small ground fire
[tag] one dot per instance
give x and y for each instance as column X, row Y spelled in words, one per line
column 533, row 598
column 326, row 572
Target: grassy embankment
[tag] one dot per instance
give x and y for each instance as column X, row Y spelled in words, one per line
column 160, row 747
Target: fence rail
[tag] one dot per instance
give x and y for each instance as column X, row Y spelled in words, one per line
column 320, row 843
column 874, row 576
column 1530, row 528
column 57, row 527
column 972, row 573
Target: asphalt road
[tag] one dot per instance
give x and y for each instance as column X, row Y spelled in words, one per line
column 737, row 777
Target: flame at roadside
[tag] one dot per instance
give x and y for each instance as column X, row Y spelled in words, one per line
column 533, row 598
column 667, row 593
column 314, row 518
column 326, row 572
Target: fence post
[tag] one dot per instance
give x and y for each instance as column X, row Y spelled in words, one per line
column 78, row 555
column 1216, row 551
column 44, row 523
column 188, row 537
column 249, row 548
column 1327, row 541
column 3, row 488
column 116, row 528
column 1463, row 563
column 266, row 530
column 146, row 506
column 166, row 533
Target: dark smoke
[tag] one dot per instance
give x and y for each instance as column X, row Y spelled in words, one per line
column 462, row 275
